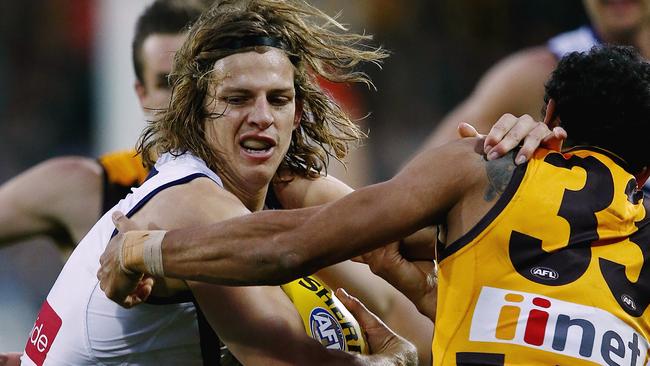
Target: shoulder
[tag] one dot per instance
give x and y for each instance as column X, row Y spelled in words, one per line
column 59, row 178
column 70, row 167
column 199, row 201
column 299, row 192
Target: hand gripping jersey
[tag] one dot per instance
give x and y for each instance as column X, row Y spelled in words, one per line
column 79, row 325
column 557, row 272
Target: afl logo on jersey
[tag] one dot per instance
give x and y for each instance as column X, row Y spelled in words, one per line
column 544, row 273
column 326, row 329
column 628, row 301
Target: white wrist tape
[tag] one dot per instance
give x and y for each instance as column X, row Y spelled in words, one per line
column 121, row 260
column 152, row 253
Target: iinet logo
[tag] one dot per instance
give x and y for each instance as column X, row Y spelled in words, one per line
column 45, row 329
column 556, row 326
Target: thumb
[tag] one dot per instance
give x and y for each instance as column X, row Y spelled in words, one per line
column 366, row 319
column 122, row 223
column 467, row 130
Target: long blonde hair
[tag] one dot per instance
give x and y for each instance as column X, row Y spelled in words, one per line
column 317, row 45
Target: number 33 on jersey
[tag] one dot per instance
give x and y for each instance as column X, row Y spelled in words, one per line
column 555, row 274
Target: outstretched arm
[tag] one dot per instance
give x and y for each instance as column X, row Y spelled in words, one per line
column 274, row 247
column 271, row 230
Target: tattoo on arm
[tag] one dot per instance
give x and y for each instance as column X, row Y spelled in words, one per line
column 499, row 172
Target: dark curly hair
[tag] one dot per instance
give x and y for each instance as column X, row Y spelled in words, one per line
column 603, row 99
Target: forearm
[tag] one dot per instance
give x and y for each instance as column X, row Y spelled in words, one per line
column 234, row 252
column 272, row 247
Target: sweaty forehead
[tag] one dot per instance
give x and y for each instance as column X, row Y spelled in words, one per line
column 255, row 69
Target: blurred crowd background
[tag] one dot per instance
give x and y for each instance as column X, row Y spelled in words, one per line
column 66, row 87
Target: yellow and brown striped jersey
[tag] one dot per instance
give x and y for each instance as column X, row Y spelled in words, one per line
column 557, row 272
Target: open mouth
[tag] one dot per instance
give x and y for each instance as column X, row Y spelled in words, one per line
column 257, row 145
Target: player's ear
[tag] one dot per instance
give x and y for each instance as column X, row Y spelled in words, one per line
column 550, row 119
column 140, row 91
column 298, row 115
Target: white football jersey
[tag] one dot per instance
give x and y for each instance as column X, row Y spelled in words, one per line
column 79, row 325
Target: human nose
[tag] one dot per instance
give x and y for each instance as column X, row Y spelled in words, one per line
column 261, row 115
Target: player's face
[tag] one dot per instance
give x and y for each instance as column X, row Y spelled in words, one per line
column 618, row 18
column 255, row 92
column 157, row 55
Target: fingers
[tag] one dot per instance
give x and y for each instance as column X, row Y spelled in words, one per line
column 498, row 131
column 123, row 223
column 532, row 142
column 512, row 131
column 381, row 340
column 366, row 319
column 139, row 295
column 467, row 130
column 145, row 286
column 555, row 139
column 131, row 301
column 540, row 136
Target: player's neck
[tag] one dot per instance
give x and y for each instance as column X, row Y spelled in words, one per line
column 252, row 198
